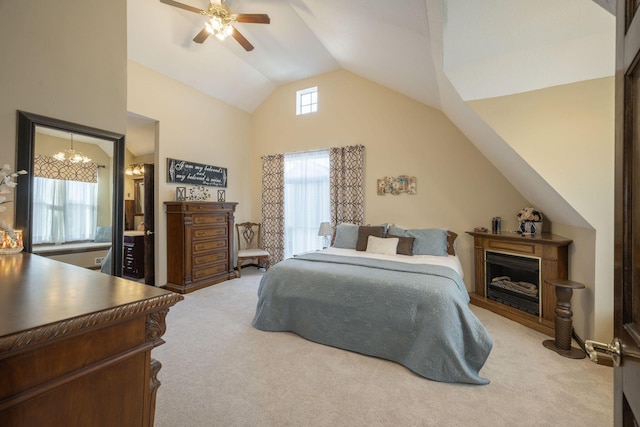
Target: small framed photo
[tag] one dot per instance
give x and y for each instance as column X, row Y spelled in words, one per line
column 181, row 193
column 221, row 195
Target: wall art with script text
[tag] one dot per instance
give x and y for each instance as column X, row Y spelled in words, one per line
column 184, row 172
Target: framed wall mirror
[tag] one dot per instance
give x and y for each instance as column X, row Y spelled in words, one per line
column 67, row 206
column 138, row 196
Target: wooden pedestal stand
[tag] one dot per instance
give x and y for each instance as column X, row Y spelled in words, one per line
column 564, row 327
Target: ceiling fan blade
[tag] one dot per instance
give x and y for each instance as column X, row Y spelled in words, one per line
column 201, row 36
column 253, row 18
column 242, row 40
column 182, row 6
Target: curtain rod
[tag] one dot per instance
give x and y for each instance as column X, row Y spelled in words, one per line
column 313, row 150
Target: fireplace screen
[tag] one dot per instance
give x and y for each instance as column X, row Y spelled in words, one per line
column 513, row 280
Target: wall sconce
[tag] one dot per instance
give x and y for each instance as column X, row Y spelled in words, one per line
column 135, row 169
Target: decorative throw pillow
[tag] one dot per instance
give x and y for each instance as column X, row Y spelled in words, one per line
column 378, row 245
column 451, row 238
column 346, row 236
column 364, row 232
column 429, row 241
column 405, row 244
column 384, row 225
column 397, row 231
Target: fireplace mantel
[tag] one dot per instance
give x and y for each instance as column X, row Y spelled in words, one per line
column 552, row 251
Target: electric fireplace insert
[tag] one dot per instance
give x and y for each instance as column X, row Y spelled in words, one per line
column 513, row 280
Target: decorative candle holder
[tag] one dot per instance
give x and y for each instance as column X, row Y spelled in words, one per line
column 11, row 245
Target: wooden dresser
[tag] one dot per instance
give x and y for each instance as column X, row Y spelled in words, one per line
column 199, row 244
column 552, row 254
column 75, row 345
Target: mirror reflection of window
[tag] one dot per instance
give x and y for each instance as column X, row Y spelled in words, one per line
column 71, row 200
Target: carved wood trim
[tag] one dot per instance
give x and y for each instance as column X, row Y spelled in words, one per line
column 156, row 326
column 154, row 384
column 52, row 332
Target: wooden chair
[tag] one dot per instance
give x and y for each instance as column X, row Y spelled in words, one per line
column 250, row 245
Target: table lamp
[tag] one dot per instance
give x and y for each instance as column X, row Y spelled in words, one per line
column 325, row 232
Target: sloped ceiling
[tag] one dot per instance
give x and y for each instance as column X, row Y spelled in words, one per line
column 491, row 47
column 438, row 52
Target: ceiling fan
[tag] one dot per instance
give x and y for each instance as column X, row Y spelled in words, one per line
column 221, row 20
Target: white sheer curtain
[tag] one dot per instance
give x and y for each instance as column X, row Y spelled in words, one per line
column 64, row 211
column 306, row 200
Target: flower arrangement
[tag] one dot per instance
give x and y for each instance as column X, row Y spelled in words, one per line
column 529, row 214
column 10, row 237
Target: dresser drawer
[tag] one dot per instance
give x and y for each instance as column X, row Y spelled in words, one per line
column 220, row 208
column 209, row 245
column 209, row 219
column 208, row 233
column 203, row 273
column 209, row 258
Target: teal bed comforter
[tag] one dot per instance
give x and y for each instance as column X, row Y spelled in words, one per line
column 413, row 314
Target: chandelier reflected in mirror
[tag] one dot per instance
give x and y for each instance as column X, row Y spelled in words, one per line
column 71, row 155
column 220, row 20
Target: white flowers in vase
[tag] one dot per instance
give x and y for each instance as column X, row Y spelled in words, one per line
column 530, row 221
column 6, row 184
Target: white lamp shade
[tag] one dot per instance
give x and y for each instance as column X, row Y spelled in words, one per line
column 325, row 229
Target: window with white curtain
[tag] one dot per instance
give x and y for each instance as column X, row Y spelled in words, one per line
column 306, row 200
column 64, row 211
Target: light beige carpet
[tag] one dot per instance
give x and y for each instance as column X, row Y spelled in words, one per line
column 220, row 371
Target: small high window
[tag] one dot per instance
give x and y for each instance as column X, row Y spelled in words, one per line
column 307, row 101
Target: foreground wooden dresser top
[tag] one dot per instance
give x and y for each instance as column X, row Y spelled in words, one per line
column 75, row 345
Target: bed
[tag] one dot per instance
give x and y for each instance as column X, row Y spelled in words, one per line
column 411, row 309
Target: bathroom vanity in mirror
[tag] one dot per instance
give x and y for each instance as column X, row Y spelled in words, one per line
column 133, row 255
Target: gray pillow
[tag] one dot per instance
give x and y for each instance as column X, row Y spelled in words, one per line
column 346, row 236
column 397, row 231
column 103, row 234
column 429, row 241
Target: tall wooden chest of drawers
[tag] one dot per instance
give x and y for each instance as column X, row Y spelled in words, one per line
column 199, row 244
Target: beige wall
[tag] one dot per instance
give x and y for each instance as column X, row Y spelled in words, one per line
column 194, row 127
column 66, row 75
column 457, row 187
column 566, row 133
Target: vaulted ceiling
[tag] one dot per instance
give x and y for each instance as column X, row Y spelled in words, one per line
column 438, row 52
column 390, row 43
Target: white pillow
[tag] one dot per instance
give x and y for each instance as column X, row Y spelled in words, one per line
column 382, row 246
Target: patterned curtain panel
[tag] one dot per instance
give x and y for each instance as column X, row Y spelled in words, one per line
column 347, row 184
column 48, row 167
column 273, row 207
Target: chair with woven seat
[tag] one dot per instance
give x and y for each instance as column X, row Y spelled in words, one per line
column 250, row 246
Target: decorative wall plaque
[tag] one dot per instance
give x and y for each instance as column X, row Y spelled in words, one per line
column 181, row 193
column 401, row 184
column 183, row 172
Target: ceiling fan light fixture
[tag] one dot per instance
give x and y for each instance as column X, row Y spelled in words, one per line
column 220, row 20
column 217, row 28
